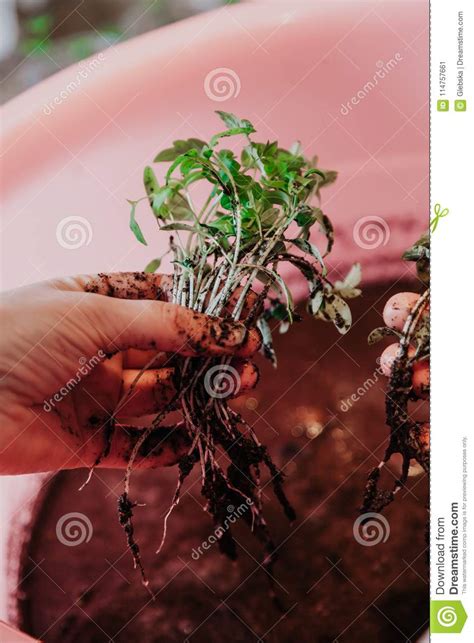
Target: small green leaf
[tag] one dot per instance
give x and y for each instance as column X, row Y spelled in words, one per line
column 269, row 217
column 179, row 147
column 353, row 277
column 153, row 265
column 233, row 122
column 224, row 224
column 315, row 301
column 179, row 208
column 337, row 310
column 420, row 252
column 150, row 182
column 277, row 280
column 159, row 200
column 314, row 171
column 295, row 148
column 277, row 311
column 415, row 253
column 380, row 333
column 267, row 344
column 167, row 155
column 329, row 176
column 134, row 227
column 305, row 216
column 278, row 197
column 229, row 132
column 326, row 228
column 308, row 248
column 180, row 226
column 421, row 336
column 348, row 287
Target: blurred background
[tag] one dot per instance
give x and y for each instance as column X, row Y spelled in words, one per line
column 40, row 37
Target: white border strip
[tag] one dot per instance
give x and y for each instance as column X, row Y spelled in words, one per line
column 452, row 243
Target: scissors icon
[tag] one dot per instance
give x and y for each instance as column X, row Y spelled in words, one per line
column 439, row 214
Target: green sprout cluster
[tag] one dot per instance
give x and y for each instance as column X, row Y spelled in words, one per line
column 258, row 214
column 233, row 220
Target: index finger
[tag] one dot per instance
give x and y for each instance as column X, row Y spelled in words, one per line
column 140, row 285
column 121, row 324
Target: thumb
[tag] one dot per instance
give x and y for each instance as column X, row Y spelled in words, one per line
column 161, row 326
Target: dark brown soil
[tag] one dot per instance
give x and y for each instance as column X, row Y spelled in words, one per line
column 332, row 587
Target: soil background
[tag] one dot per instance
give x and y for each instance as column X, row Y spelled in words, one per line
column 332, row 587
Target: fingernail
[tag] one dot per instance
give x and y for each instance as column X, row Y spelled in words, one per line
column 228, row 334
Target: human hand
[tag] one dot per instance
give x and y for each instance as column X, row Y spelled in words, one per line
column 71, row 350
column 395, row 315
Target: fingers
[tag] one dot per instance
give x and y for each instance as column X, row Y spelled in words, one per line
column 388, row 357
column 397, row 309
column 162, row 448
column 151, row 393
column 144, row 285
column 97, row 395
column 247, row 377
column 421, row 369
column 160, row 326
column 133, row 358
column 46, row 446
column 395, row 314
column 121, row 285
column 139, row 285
column 131, row 285
column 155, row 389
column 50, row 448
